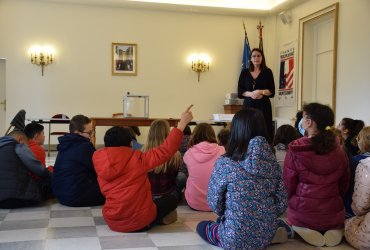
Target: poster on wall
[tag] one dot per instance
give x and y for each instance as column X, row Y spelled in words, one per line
column 287, row 76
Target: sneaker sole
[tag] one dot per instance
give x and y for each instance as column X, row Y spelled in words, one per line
column 312, row 237
column 333, row 237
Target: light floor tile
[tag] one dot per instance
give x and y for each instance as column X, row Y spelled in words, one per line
column 125, row 241
column 104, row 230
column 196, row 216
column 185, row 209
column 97, row 212
column 70, row 213
column 90, row 243
column 176, row 239
column 171, row 228
column 71, row 222
column 192, row 225
column 37, row 215
column 71, row 232
column 137, row 248
column 23, row 235
column 23, row 245
column 198, row 247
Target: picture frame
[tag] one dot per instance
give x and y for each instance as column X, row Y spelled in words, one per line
column 124, row 59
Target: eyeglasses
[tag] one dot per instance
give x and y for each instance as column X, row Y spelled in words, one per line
column 91, row 133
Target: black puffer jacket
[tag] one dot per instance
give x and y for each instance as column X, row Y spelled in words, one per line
column 15, row 180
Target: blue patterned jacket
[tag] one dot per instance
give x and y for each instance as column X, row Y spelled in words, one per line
column 248, row 196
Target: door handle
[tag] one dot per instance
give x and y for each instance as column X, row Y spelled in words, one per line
column 4, row 103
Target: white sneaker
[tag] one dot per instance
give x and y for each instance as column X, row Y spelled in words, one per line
column 312, row 237
column 333, row 237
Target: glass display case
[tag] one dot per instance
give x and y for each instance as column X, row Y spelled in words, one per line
column 135, row 105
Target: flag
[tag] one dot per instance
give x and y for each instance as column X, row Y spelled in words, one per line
column 247, row 51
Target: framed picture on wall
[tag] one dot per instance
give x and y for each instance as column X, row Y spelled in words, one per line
column 124, row 59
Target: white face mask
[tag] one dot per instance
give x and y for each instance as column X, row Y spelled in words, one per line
column 301, row 130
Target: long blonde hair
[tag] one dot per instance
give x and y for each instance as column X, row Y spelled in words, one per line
column 158, row 132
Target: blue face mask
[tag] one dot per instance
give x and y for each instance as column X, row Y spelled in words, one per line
column 301, row 130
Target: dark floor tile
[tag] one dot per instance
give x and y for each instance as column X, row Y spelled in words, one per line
column 2, row 216
column 70, row 213
column 126, row 241
column 23, row 245
column 99, row 221
column 23, row 224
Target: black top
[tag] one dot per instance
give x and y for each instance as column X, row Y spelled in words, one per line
column 265, row 80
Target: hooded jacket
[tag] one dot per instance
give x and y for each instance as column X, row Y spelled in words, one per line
column 357, row 228
column 199, row 160
column 248, row 196
column 74, row 176
column 316, row 185
column 16, row 161
column 123, row 179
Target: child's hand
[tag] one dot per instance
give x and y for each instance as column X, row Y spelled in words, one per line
column 186, row 117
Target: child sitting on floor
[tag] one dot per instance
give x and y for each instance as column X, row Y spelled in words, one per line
column 316, row 175
column 199, row 159
column 246, row 189
column 17, row 187
column 36, row 138
column 356, row 228
column 284, row 135
column 163, row 177
column 123, row 179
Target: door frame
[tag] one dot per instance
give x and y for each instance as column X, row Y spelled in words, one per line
column 303, row 22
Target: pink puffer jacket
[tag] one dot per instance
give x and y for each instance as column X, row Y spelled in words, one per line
column 357, row 229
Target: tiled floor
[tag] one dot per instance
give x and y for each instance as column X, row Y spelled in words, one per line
column 54, row 226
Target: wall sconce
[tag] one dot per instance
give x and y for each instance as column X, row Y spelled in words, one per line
column 41, row 57
column 200, row 63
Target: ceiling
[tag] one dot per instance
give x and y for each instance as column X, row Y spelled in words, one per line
column 223, row 7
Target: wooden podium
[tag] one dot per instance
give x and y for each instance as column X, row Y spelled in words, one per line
column 232, row 109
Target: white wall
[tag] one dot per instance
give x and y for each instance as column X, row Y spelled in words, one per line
column 353, row 74
column 80, row 80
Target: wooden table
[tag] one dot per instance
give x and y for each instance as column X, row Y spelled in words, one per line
column 127, row 122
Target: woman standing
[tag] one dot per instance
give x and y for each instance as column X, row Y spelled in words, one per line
column 256, row 85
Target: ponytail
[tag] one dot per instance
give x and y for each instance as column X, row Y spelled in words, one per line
column 324, row 142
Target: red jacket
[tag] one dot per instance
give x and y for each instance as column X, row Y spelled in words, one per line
column 316, row 185
column 38, row 151
column 123, row 180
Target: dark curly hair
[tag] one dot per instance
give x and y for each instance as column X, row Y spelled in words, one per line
column 118, row 136
column 325, row 140
column 285, row 134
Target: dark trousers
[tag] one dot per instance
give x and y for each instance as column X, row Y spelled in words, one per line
column 165, row 205
column 16, row 203
column 86, row 198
